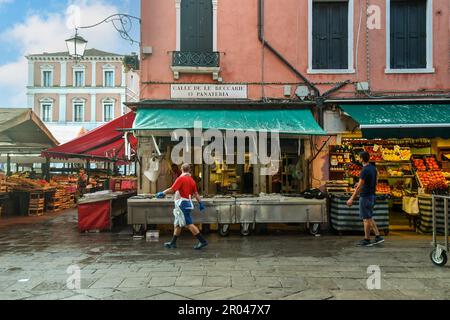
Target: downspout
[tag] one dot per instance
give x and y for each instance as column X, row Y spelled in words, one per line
column 276, row 53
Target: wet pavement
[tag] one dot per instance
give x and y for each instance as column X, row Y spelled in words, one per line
column 35, row 258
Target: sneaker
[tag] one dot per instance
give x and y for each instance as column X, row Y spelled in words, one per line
column 378, row 240
column 170, row 245
column 201, row 245
column 365, row 243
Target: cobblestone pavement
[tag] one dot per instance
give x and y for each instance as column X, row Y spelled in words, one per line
column 34, row 259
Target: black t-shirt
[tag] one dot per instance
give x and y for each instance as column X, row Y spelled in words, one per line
column 369, row 175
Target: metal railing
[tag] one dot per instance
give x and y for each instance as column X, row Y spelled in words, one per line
column 195, row 59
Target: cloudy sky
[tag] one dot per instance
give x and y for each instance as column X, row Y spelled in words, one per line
column 36, row 26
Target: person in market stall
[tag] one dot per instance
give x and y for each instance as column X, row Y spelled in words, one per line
column 367, row 189
column 186, row 187
column 82, row 183
column 176, row 172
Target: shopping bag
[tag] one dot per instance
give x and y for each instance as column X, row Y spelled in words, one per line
column 411, row 205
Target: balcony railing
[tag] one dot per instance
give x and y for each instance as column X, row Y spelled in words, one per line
column 196, row 59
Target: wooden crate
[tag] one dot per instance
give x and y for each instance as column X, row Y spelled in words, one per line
column 35, row 212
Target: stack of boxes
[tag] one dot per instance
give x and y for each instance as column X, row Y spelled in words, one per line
column 37, row 204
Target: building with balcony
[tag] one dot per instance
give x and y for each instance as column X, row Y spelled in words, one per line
column 311, row 55
column 85, row 93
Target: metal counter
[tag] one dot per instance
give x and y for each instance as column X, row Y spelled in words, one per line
column 226, row 211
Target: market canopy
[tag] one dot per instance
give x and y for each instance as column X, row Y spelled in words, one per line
column 105, row 143
column 401, row 120
column 299, row 122
column 21, row 131
column 65, row 134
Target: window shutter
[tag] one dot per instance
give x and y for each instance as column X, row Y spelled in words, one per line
column 320, row 36
column 408, row 34
column 196, row 26
column 330, row 35
column 338, row 58
column 416, row 48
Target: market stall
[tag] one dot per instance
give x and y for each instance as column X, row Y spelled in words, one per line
column 225, row 184
column 97, row 211
column 408, row 144
column 22, row 138
column 107, row 191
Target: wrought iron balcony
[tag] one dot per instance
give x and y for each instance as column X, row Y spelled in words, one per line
column 196, row 59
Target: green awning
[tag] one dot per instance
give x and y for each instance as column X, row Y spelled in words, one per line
column 401, row 120
column 299, row 122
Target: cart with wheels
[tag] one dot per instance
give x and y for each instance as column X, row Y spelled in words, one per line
column 439, row 253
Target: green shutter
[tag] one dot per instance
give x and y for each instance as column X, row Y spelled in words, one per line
column 330, row 35
column 196, row 26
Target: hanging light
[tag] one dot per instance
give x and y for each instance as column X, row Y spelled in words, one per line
column 76, row 46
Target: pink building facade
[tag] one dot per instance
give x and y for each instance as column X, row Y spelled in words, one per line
column 309, row 54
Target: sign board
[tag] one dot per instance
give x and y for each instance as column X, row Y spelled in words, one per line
column 209, row 91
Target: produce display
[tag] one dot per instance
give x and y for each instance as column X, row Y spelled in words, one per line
column 375, row 155
column 394, row 155
column 354, row 170
column 432, row 180
column 18, row 183
column 3, row 183
column 432, row 164
column 419, row 164
column 446, row 175
column 383, row 188
column 395, row 173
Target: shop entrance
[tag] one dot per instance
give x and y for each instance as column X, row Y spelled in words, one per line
column 409, row 171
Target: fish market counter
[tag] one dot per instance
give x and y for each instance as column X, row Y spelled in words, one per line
column 225, row 211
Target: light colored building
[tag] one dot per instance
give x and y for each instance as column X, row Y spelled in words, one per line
column 86, row 93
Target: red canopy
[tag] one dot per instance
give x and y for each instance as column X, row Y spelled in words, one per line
column 104, row 143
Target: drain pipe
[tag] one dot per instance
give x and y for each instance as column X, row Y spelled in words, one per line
column 275, row 52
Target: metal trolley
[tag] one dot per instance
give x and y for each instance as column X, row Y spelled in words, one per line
column 439, row 254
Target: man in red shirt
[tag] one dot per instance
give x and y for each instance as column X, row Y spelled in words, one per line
column 187, row 188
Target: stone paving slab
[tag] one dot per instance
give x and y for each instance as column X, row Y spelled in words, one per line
column 220, row 294
column 218, row 281
column 191, row 281
column 162, row 281
column 134, row 294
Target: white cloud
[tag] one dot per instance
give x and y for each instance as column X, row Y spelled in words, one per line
column 47, row 33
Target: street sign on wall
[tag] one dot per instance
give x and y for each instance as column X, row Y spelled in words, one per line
column 209, row 91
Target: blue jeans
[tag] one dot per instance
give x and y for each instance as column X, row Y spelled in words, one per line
column 366, row 205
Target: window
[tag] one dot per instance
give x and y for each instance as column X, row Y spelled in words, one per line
column 408, row 34
column 108, row 111
column 78, row 112
column 109, row 78
column 78, row 78
column 46, row 112
column 330, row 35
column 47, row 78
column 197, row 25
